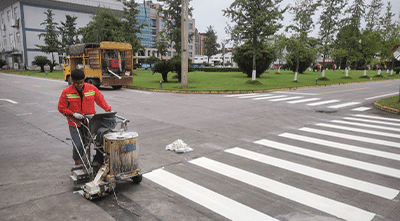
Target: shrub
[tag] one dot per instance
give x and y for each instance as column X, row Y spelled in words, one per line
column 215, row 69
column 2, row 63
column 243, row 56
column 41, row 61
column 397, row 70
column 163, row 67
column 305, row 60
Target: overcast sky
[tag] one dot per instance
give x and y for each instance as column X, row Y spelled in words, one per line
column 209, row 12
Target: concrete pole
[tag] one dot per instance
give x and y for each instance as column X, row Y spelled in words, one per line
column 184, row 42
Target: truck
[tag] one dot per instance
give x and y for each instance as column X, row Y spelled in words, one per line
column 104, row 63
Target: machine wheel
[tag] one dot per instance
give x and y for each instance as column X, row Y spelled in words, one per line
column 94, row 82
column 69, row 80
column 137, row 179
column 117, row 87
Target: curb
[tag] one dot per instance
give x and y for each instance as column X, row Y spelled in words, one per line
column 386, row 108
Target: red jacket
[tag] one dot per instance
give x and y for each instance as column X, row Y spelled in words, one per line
column 70, row 101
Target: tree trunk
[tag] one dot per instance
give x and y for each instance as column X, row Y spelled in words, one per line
column 253, row 75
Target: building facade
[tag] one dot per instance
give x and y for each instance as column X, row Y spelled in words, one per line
column 20, row 25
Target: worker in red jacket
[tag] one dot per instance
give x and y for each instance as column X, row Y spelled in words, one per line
column 75, row 102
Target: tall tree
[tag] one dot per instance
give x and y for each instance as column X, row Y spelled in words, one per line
column 255, row 21
column 210, row 43
column 373, row 16
column 390, row 34
column 302, row 24
column 69, row 32
column 171, row 13
column 105, row 26
column 50, row 37
column 348, row 38
column 161, row 45
column 329, row 24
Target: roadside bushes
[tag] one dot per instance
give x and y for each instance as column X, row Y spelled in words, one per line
column 243, row 56
column 305, row 60
column 216, row 69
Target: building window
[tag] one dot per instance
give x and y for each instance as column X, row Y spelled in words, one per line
column 18, row 38
column 15, row 13
column 190, row 26
column 190, row 54
column 169, row 54
column 190, row 47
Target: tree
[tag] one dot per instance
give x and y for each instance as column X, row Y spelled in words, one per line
column 329, row 24
column 303, row 24
column 210, row 43
column 69, row 32
column 105, row 26
column 41, row 61
column 243, row 56
column 161, row 45
column 163, row 67
column 389, row 34
column 2, row 63
column 171, row 12
column 373, row 16
column 255, row 21
column 50, row 38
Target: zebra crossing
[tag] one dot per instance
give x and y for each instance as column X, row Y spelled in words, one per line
column 312, row 102
column 328, row 142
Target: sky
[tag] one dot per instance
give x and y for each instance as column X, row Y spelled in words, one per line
column 209, row 12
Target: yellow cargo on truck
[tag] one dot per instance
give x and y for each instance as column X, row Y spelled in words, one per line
column 104, row 63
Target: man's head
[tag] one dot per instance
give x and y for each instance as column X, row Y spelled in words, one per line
column 78, row 79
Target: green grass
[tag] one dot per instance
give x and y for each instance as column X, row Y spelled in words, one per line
column 54, row 74
column 237, row 81
column 392, row 102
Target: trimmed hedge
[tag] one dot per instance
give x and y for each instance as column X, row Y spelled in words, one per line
column 217, row 69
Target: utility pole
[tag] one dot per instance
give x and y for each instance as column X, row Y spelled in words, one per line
column 184, row 42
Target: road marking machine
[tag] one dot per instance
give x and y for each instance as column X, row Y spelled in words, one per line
column 115, row 160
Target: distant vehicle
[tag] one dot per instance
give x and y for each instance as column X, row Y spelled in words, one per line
column 104, row 63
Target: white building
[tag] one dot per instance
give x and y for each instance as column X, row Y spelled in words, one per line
column 20, row 26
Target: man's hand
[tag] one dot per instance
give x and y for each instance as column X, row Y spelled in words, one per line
column 78, row 116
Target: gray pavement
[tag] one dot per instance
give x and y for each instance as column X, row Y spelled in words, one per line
column 36, row 159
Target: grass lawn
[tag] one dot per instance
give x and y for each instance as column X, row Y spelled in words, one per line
column 237, row 81
column 55, row 74
column 392, row 102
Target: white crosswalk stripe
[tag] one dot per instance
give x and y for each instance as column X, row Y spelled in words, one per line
column 329, row 206
column 231, row 209
column 275, row 97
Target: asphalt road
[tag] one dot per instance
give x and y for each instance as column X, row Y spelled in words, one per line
column 312, row 154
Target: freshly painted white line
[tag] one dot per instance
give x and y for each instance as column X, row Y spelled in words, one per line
column 374, row 132
column 352, row 137
column 366, row 125
column 334, row 178
column 385, row 95
column 8, row 100
column 238, row 95
column 286, row 98
column 378, row 118
column 342, row 146
column 52, row 111
column 303, row 100
column 344, row 105
column 139, row 91
column 323, row 102
column 24, row 114
column 332, row 158
column 263, row 98
column 312, row 200
column 284, row 92
column 372, row 121
column 209, row 199
column 361, row 109
column 257, row 95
